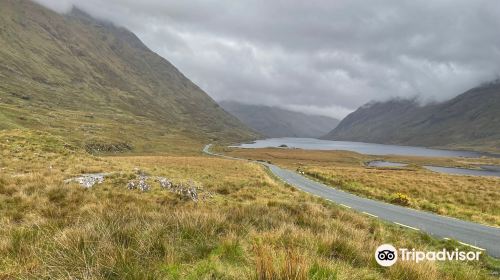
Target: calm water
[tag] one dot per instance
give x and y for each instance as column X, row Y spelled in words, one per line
column 381, row 163
column 491, row 167
column 463, row 171
column 359, row 147
column 486, row 170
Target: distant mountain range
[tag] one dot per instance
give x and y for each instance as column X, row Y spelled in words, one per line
column 97, row 83
column 276, row 122
column 470, row 120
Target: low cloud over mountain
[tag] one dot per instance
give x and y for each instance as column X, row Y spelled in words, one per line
column 331, row 56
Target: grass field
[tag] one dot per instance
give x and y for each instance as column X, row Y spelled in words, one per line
column 98, row 86
column 466, row 197
column 254, row 227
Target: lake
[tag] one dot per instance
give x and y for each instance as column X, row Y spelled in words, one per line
column 359, row 147
column 485, row 170
column 463, row 171
column 381, row 163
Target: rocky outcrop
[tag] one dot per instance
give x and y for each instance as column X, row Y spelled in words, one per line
column 88, row 180
column 145, row 182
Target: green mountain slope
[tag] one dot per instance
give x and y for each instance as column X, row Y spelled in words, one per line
column 98, row 84
column 470, row 120
column 276, row 122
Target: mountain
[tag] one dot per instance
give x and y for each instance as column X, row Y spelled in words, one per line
column 276, row 122
column 470, row 120
column 98, row 84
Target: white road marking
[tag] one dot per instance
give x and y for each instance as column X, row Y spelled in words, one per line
column 403, row 225
column 346, row 206
column 369, row 214
column 437, row 215
column 472, row 246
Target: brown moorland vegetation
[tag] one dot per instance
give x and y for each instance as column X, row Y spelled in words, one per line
column 472, row 198
column 253, row 226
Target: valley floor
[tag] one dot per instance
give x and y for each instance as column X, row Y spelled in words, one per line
column 251, row 226
column 470, row 198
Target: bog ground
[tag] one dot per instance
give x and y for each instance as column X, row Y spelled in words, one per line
column 252, row 227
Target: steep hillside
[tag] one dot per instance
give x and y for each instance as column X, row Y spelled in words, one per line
column 98, row 84
column 470, row 120
column 276, row 122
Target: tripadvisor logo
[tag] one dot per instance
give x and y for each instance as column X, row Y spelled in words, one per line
column 387, row 255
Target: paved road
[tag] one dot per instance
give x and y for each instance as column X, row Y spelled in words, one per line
column 472, row 234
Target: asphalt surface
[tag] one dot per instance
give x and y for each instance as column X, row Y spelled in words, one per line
column 476, row 236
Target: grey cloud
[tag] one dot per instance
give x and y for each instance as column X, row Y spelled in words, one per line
column 327, row 57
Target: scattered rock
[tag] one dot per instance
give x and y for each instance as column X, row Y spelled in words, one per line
column 165, row 183
column 190, row 191
column 187, row 190
column 131, row 185
column 139, row 183
column 143, row 185
column 88, row 180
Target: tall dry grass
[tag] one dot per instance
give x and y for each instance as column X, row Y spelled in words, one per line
column 466, row 197
column 253, row 228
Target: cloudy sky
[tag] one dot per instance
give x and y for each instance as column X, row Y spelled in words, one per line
column 324, row 57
